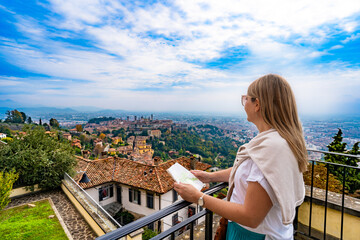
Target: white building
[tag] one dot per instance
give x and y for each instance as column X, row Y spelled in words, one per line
column 141, row 189
column 2, row 135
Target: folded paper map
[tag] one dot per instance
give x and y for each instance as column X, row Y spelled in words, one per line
column 182, row 175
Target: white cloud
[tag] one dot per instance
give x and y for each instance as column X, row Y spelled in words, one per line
column 166, row 46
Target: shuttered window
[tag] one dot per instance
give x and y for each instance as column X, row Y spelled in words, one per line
column 134, row 196
column 150, row 200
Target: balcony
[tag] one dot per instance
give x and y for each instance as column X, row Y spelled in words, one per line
column 323, row 215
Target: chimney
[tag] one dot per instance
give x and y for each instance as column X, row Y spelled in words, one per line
column 157, row 161
column 193, row 161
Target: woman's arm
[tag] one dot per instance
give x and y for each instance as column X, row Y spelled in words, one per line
column 219, row 176
column 255, row 208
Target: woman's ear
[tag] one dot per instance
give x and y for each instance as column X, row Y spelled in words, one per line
column 257, row 105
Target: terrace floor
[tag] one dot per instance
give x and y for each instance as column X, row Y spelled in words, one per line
column 75, row 223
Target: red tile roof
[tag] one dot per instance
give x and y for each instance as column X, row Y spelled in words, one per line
column 135, row 174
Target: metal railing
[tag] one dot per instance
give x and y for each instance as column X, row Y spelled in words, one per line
column 345, row 170
column 143, row 222
column 100, row 215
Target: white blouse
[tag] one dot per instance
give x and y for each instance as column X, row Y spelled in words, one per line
column 272, row 225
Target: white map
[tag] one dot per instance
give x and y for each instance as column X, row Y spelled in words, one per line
column 182, row 175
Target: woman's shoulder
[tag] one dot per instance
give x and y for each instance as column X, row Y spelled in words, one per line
column 273, row 139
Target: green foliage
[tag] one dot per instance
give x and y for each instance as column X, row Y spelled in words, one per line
column 7, row 180
column 353, row 175
column 31, row 223
column 204, row 143
column 119, row 133
column 14, row 116
column 352, row 179
column 6, row 130
column 77, row 151
column 124, row 217
column 7, row 139
column 38, row 158
column 54, row 123
column 29, row 120
column 100, row 119
column 148, row 234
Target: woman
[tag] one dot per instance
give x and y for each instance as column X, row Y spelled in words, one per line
column 265, row 182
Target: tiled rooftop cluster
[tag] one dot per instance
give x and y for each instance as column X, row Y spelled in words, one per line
column 113, row 169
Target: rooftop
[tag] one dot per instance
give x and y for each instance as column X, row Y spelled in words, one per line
column 148, row 177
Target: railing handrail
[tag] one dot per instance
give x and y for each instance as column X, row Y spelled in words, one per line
column 335, row 164
column 142, row 222
column 94, row 202
column 334, row 153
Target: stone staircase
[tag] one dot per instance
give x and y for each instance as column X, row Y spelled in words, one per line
column 113, row 208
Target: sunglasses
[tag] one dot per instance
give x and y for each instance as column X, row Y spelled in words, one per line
column 245, row 98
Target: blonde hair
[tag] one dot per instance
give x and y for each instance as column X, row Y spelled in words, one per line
column 278, row 109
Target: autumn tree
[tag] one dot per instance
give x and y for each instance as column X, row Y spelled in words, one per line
column 54, row 123
column 7, row 180
column 79, row 127
column 14, row 116
column 102, row 136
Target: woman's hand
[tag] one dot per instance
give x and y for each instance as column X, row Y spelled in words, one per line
column 188, row 192
column 202, row 175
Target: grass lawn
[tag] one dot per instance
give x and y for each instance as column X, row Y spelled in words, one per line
column 24, row 222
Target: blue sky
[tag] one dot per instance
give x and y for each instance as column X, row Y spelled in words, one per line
column 181, row 55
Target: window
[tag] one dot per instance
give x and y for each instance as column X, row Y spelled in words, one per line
column 191, row 211
column 175, row 196
column 150, row 200
column 106, row 192
column 134, row 196
column 175, row 219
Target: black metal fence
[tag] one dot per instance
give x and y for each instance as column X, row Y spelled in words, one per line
column 190, row 222
column 345, row 169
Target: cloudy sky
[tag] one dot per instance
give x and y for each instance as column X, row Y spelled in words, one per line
column 180, row 55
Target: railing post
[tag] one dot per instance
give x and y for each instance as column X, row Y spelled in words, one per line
column 326, row 198
column 208, row 225
column 342, row 204
column 191, row 230
column 311, row 195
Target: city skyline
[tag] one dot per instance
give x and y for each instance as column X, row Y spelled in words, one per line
column 189, row 56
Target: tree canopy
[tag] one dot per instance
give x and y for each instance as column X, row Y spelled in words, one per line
column 54, row 123
column 352, row 177
column 38, row 158
column 7, row 180
column 14, row 116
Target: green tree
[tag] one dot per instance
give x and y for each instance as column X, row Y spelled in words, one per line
column 352, row 180
column 40, row 122
column 14, row 116
column 23, row 116
column 336, row 146
column 29, row 120
column 7, row 180
column 38, row 158
column 54, row 123
column 353, row 175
